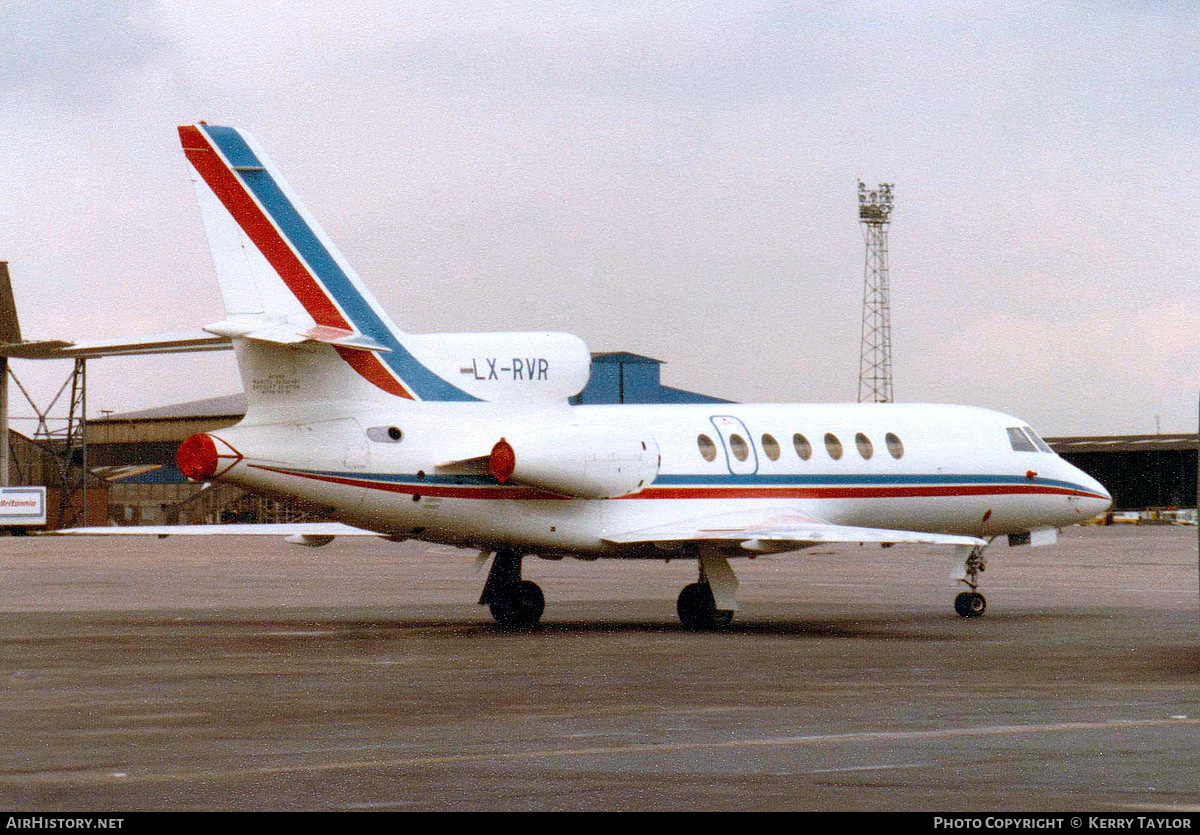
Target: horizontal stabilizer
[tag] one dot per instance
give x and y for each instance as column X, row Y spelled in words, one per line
column 767, row 532
column 286, row 333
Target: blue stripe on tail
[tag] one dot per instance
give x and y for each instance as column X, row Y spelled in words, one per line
column 324, row 267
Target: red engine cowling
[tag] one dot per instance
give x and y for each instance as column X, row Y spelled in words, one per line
column 587, row 462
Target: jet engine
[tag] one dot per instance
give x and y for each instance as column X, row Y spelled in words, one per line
column 586, row 462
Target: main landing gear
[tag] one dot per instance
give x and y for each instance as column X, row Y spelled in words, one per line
column 709, row 604
column 514, row 603
column 969, row 564
column 698, row 609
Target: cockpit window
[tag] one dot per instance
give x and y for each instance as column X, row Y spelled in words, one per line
column 1037, row 442
column 1019, row 440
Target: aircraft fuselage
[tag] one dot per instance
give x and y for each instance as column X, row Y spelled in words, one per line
column 931, row 468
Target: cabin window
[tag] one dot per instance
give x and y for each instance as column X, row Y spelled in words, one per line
column 385, row 434
column 893, row 444
column 708, row 450
column 833, row 446
column 1019, row 440
column 770, row 447
column 865, row 448
column 739, row 447
column 803, row 447
column 1037, row 442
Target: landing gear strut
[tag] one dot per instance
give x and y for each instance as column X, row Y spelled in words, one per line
column 709, row 603
column 514, row 603
column 970, row 604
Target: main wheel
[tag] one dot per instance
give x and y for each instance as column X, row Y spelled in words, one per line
column 698, row 611
column 970, row 604
column 522, row 609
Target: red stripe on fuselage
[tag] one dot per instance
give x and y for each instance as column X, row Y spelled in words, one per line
column 279, row 254
column 485, row 492
column 534, row 494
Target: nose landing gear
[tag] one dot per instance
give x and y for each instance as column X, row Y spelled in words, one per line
column 969, row 564
column 970, row 604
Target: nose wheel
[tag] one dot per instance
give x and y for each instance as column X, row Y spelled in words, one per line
column 970, row 604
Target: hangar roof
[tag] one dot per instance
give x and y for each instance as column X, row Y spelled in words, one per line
column 1123, row 443
column 231, row 405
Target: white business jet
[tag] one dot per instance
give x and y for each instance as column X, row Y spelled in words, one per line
column 469, row 439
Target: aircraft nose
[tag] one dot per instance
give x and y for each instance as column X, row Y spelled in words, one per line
column 1099, row 499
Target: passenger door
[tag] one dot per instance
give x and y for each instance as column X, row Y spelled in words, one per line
column 740, row 453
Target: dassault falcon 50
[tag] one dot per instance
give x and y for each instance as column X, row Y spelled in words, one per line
column 469, row 439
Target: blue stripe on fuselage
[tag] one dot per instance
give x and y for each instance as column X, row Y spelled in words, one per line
column 727, row 480
column 851, row 480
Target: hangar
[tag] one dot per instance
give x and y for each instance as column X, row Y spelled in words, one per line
column 1142, row 472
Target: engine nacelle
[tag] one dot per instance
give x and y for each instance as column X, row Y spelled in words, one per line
column 587, row 462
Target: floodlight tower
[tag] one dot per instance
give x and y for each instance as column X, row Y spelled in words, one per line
column 875, row 362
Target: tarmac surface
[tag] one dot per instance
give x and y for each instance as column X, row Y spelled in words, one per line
column 245, row 673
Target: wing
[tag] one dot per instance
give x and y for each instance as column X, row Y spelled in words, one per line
column 774, row 532
column 313, row 534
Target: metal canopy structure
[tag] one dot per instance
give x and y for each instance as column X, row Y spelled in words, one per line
column 66, row 435
column 166, row 343
column 10, row 332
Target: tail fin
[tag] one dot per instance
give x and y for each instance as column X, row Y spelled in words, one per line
column 284, row 281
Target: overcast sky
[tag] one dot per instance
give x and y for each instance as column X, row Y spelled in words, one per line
column 673, row 179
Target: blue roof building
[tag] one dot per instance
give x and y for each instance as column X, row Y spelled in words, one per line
column 622, row 377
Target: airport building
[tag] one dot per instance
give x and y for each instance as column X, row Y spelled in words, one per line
column 1142, row 472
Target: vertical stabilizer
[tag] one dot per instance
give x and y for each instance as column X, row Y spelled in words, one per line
column 284, row 282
